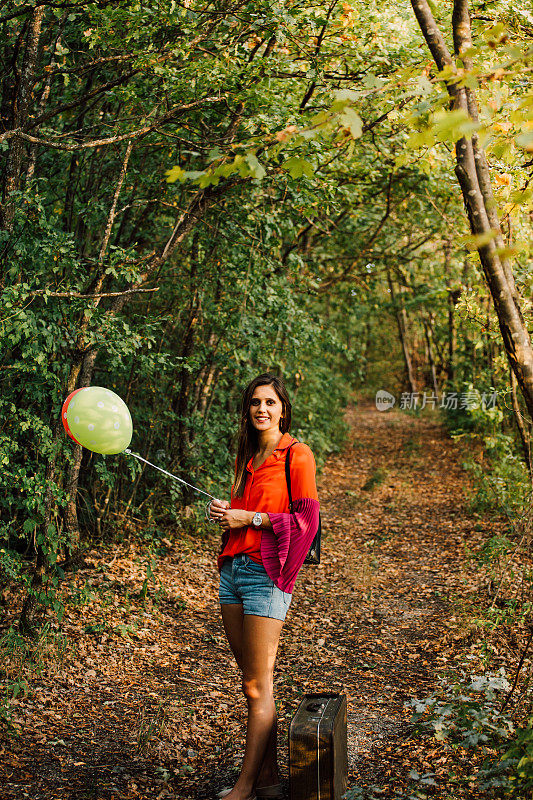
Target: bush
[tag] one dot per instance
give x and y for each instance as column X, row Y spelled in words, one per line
column 468, row 713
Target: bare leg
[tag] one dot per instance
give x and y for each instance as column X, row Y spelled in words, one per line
column 256, row 652
column 232, row 617
column 269, row 774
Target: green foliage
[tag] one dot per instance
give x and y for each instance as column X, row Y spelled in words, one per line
column 501, row 480
column 467, row 713
column 274, row 149
column 520, row 754
column 22, row 661
column 300, row 157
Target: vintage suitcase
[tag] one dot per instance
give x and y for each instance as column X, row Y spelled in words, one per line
column 318, row 748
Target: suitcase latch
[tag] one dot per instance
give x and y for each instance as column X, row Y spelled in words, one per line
column 314, row 706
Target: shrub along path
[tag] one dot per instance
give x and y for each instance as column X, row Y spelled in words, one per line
column 145, row 701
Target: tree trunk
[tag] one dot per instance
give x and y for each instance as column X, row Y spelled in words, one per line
column 212, row 395
column 86, row 372
column 73, row 177
column 453, row 299
column 489, row 346
column 524, row 433
column 70, row 514
column 367, row 339
column 401, row 319
column 429, row 340
column 20, row 106
column 33, row 600
column 474, row 179
column 181, row 404
column 32, row 149
column 211, row 369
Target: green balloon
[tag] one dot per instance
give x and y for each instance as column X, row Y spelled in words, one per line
column 99, row 420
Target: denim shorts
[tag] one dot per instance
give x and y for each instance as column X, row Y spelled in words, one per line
column 244, row 581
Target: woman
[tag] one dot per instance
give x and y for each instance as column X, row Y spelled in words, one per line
column 263, row 549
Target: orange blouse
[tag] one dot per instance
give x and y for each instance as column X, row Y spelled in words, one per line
column 266, row 491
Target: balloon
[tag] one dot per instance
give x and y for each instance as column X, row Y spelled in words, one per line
column 99, row 420
column 64, row 413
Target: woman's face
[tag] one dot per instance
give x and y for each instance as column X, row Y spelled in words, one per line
column 266, row 408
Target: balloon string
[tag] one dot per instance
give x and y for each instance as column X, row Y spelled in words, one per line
column 170, row 475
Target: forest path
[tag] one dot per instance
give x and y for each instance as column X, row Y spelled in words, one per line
column 149, row 705
column 376, row 622
column 395, row 553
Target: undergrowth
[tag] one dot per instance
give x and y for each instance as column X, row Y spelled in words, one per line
column 490, row 714
column 23, row 661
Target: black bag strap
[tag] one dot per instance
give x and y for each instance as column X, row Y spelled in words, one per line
column 313, row 556
column 288, row 472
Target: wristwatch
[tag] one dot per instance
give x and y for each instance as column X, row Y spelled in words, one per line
column 257, row 520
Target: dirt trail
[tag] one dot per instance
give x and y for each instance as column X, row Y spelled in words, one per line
column 393, row 553
column 150, row 706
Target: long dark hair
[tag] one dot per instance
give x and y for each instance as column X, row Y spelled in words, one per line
column 248, row 436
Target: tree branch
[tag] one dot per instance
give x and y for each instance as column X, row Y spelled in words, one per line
column 112, row 211
column 18, row 132
column 91, row 296
column 340, row 276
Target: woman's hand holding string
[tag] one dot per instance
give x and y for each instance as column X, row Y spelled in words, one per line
column 232, row 518
column 217, row 507
column 229, row 518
